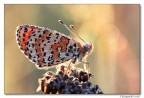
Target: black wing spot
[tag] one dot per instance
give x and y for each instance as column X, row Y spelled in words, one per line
column 23, row 35
column 27, row 43
column 70, row 47
column 52, row 62
column 78, row 55
column 49, row 58
column 34, row 34
column 42, row 41
column 30, row 39
column 34, row 60
column 50, row 34
column 40, row 65
column 45, row 31
column 44, row 44
column 18, row 31
column 36, row 50
column 49, row 64
column 38, row 55
column 48, row 38
column 25, row 29
column 74, row 44
column 42, row 49
column 74, row 49
column 44, row 60
column 21, row 48
column 78, row 49
column 35, row 39
column 40, row 36
column 52, row 52
column 44, row 53
column 19, row 44
column 74, row 55
column 62, row 59
column 30, row 56
column 70, row 50
column 57, row 35
column 67, row 54
column 30, row 51
column 27, row 49
column 58, row 61
column 17, row 34
column 32, row 45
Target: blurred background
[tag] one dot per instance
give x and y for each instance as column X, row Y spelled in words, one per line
column 114, row 31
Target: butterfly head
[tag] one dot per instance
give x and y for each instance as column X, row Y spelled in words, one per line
column 87, row 48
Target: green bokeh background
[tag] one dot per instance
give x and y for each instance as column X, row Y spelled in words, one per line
column 114, row 31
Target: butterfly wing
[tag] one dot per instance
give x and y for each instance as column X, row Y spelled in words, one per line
column 43, row 46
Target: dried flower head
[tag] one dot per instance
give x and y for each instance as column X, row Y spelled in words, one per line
column 72, row 81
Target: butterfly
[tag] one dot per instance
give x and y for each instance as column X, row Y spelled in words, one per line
column 47, row 48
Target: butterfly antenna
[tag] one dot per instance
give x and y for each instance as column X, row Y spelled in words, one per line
column 61, row 22
column 72, row 27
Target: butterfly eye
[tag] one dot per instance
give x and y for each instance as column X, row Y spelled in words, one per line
column 87, row 48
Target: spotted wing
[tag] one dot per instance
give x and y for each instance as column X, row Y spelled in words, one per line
column 43, row 46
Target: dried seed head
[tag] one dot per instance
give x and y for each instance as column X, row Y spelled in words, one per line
column 74, row 82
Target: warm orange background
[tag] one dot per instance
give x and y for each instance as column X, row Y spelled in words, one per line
column 114, row 31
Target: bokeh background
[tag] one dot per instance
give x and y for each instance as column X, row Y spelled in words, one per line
column 114, row 31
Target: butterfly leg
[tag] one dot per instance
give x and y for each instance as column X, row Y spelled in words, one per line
column 88, row 66
column 68, row 68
